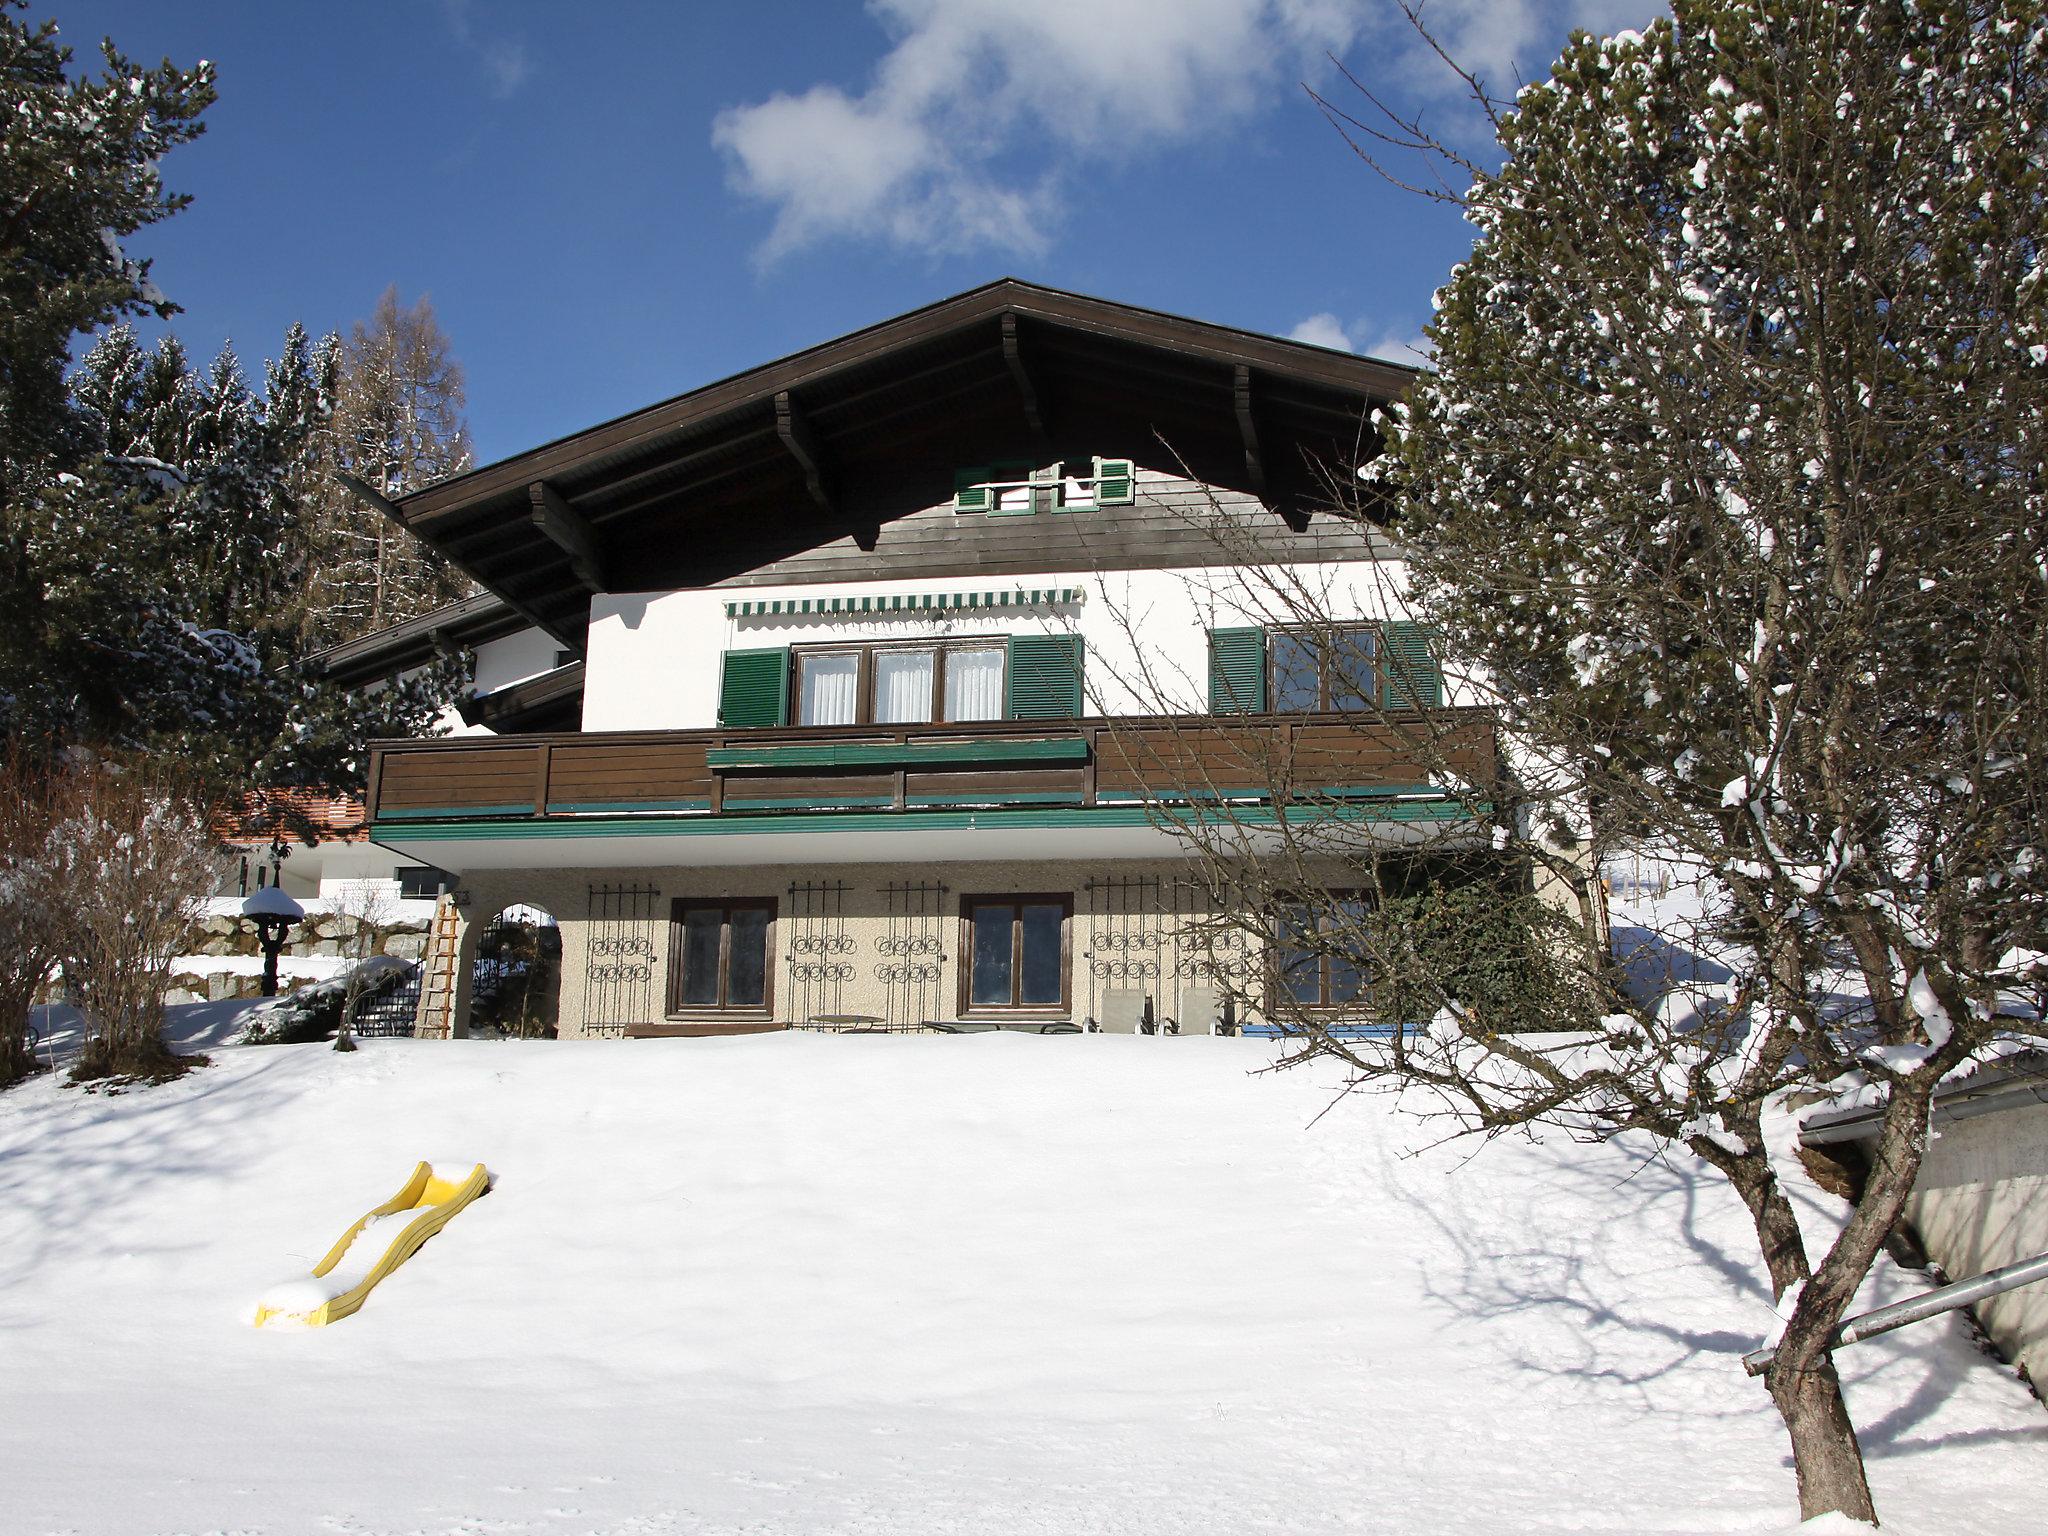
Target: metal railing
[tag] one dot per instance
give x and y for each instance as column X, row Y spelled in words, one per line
column 1993, row 1282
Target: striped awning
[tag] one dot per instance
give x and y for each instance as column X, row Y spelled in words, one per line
column 905, row 602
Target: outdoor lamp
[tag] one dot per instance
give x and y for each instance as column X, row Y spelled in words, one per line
column 274, row 913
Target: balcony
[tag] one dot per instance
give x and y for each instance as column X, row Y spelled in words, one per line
column 1021, row 775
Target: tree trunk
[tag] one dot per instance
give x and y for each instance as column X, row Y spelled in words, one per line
column 1825, row 1452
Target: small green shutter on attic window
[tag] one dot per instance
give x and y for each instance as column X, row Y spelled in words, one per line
column 1044, row 678
column 1047, row 484
column 1413, row 679
column 753, row 688
column 1237, row 671
column 1116, row 483
column 970, row 490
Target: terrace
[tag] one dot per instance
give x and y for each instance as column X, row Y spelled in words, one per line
column 1099, row 774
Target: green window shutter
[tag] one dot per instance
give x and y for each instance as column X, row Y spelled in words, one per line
column 970, row 490
column 1413, row 679
column 1046, row 487
column 1237, row 671
column 753, row 687
column 1116, row 483
column 1043, row 679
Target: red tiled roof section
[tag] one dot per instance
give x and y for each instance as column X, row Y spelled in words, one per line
column 262, row 814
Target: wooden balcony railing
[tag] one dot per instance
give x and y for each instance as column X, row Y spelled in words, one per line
column 910, row 768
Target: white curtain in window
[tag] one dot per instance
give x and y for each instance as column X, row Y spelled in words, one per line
column 974, row 684
column 903, row 686
column 827, row 689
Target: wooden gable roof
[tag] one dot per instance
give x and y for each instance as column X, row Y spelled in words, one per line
column 840, row 438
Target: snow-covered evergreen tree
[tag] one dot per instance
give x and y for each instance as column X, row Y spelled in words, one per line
column 78, row 174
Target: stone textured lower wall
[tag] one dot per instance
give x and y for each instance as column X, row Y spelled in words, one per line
column 1982, row 1201
column 315, row 949
column 881, row 941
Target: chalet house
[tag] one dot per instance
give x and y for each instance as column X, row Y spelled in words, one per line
column 846, row 691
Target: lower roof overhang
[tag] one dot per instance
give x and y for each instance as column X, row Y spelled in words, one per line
column 916, row 838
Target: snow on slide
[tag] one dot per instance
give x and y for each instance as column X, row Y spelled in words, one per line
column 372, row 1248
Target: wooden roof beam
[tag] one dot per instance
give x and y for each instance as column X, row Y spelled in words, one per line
column 1026, row 380
column 1248, row 430
column 377, row 501
column 571, row 532
column 801, row 443
column 1287, row 505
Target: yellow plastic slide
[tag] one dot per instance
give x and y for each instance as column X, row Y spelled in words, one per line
column 372, row 1248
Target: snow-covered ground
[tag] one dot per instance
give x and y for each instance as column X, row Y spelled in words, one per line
column 883, row 1284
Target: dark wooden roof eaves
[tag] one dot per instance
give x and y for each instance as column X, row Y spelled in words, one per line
column 552, row 701
column 414, row 642
column 903, row 403
column 655, row 427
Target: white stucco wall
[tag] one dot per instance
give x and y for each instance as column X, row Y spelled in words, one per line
column 653, row 659
column 1981, row 1201
column 514, row 658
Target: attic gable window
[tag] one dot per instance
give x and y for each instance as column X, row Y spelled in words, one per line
column 1018, row 489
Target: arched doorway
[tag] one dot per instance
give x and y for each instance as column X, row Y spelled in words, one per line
column 515, row 983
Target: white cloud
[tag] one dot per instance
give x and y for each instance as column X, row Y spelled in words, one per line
column 1394, row 343
column 503, row 60
column 983, row 111
column 921, row 157
column 1322, row 330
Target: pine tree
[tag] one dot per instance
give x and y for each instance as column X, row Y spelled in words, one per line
column 78, row 175
column 398, row 426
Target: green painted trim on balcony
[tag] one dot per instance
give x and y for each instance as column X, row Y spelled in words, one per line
column 806, row 802
column 443, row 812
column 600, row 807
column 890, row 753
column 1001, row 797
column 1020, row 817
column 1331, row 792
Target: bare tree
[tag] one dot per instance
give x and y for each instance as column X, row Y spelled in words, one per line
column 141, row 857
column 398, row 426
column 1728, row 493
column 33, row 866
column 367, row 904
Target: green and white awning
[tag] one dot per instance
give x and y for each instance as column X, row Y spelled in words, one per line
column 905, row 602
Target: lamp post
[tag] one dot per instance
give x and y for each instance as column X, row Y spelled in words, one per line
column 273, row 913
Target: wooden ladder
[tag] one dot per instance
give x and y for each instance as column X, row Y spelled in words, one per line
column 435, row 1019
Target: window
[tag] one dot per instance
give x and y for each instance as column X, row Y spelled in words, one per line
column 1334, row 668
column 955, row 680
column 423, row 882
column 1018, row 488
column 1343, row 667
column 719, row 955
column 1016, row 951
column 827, row 687
column 1318, row 951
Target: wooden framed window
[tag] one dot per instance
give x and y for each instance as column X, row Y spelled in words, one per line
column 1323, row 669
column 900, row 683
column 1317, row 955
column 721, row 955
column 1015, row 952
column 1018, row 488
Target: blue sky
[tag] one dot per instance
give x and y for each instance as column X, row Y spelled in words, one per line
column 611, row 203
